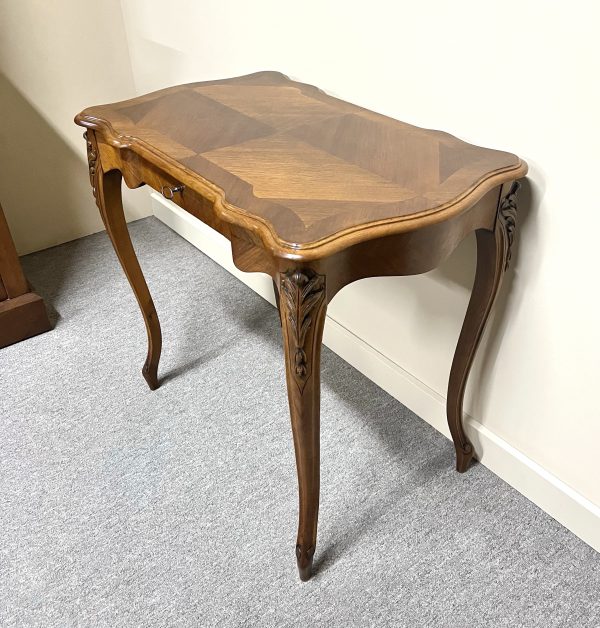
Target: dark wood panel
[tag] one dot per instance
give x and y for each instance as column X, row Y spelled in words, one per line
column 22, row 313
column 12, row 278
column 22, row 317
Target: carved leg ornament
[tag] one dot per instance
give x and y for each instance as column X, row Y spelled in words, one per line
column 106, row 187
column 493, row 258
column 302, row 310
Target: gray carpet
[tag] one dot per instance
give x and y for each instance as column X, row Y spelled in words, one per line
column 125, row 507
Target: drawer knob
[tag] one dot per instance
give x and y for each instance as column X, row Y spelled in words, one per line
column 169, row 192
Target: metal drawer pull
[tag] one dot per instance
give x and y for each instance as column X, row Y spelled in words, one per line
column 169, row 192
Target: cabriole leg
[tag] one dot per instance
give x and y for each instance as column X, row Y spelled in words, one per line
column 107, row 191
column 493, row 257
column 302, row 309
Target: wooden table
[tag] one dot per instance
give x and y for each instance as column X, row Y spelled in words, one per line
column 317, row 193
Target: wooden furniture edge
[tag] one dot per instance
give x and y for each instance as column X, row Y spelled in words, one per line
column 12, row 280
column 306, row 252
column 22, row 317
column 22, row 312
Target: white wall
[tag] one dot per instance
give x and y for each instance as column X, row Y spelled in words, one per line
column 56, row 58
column 517, row 75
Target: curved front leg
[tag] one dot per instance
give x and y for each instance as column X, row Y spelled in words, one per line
column 493, row 257
column 302, row 309
column 107, row 191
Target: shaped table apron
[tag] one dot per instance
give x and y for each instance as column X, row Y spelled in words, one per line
column 419, row 247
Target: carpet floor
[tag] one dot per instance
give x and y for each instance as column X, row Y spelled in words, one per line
column 125, row 507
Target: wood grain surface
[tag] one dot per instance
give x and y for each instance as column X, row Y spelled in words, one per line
column 22, row 312
column 306, row 166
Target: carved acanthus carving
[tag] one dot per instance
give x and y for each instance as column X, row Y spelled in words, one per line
column 508, row 217
column 303, row 293
column 92, row 155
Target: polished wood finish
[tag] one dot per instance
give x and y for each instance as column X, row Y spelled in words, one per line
column 302, row 309
column 12, row 278
column 106, row 187
column 298, row 167
column 318, row 193
column 22, row 312
column 493, row 258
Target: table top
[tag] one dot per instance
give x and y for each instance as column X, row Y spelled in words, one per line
column 308, row 167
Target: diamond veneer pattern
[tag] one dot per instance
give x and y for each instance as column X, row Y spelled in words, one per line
column 309, row 164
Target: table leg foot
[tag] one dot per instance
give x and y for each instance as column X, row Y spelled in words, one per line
column 493, row 256
column 304, row 558
column 464, row 455
column 150, row 374
column 302, row 312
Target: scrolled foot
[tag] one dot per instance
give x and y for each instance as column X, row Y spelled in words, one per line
column 464, row 455
column 304, row 558
column 151, row 376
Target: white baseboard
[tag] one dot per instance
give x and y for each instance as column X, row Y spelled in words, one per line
column 552, row 495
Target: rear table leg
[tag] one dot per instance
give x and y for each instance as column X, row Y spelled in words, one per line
column 493, row 257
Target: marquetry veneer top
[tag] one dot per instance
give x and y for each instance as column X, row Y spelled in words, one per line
column 307, row 167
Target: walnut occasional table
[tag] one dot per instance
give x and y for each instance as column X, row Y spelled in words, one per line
column 317, row 193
